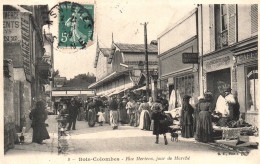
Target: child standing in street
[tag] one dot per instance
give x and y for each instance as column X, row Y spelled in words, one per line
column 101, row 117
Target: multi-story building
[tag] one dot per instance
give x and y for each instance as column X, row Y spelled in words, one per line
column 24, row 49
column 117, row 68
column 228, row 39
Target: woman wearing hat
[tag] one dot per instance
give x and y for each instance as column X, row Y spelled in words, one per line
column 186, row 118
column 145, row 121
column 204, row 124
column 158, row 126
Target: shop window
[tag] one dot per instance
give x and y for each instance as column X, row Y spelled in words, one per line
column 184, row 86
column 251, row 90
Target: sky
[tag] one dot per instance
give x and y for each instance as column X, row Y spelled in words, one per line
column 123, row 18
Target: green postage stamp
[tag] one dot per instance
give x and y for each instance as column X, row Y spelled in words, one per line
column 76, row 25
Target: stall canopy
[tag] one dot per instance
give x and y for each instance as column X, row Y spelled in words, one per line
column 142, row 88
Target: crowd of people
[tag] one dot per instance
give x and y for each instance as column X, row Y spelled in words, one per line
column 146, row 114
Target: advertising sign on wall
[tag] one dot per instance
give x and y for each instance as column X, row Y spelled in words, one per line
column 25, row 44
column 12, row 24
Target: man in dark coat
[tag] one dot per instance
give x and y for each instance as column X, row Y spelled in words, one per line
column 73, row 113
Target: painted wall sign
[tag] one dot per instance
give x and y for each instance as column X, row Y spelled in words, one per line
column 190, row 58
column 12, row 24
column 25, row 45
column 218, row 63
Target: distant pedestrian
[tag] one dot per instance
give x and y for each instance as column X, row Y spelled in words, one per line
column 123, row 113
column 73, row 113
column 101, row 118
column 131, row 108
column 38, row 116
column 145, row 120
column 113, row 113
column 91, row 112
column 137, row 113
column 186, row 118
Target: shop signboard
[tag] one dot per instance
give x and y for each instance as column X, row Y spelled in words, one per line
column 245, row 57
column 190, row 58
column 218, row 63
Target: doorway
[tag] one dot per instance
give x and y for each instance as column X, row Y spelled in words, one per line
column 217, row 81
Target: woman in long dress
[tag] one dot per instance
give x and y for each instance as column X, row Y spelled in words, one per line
column 145, row 121
column 204, row 125
column 124, row 111
column 186, row 118
column 38, row 116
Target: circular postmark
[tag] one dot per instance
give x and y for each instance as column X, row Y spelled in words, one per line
column 71, row 25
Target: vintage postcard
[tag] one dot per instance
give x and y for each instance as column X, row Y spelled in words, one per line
column 129, row 81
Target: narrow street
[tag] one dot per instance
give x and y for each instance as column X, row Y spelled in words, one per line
column 102, row 139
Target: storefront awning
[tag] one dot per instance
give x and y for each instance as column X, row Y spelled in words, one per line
column 108, row 78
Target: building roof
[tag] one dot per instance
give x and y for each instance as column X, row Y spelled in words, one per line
column 136, row 48
column 106, row 51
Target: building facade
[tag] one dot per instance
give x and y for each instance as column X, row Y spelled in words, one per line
column 176, row 78
column 117, row 68
column 228, row 39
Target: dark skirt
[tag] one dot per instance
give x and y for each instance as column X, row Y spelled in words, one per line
column 40, row 133
column 160, row 127
column 195, row 120
column 107, row 115
column 187, row 131
column 204, row 127
column 123, row 116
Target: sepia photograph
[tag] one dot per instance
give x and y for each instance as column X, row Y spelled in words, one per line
column 123, row 81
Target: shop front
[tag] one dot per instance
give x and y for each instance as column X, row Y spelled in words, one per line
column 176, row 78
column 246, row 55
column 217, row 73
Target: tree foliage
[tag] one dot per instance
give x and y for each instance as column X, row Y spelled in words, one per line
column 81, row 80
column 56, row 73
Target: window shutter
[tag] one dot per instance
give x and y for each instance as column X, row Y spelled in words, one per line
column 211, row 28
column 231, row 24
column 254, row 18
